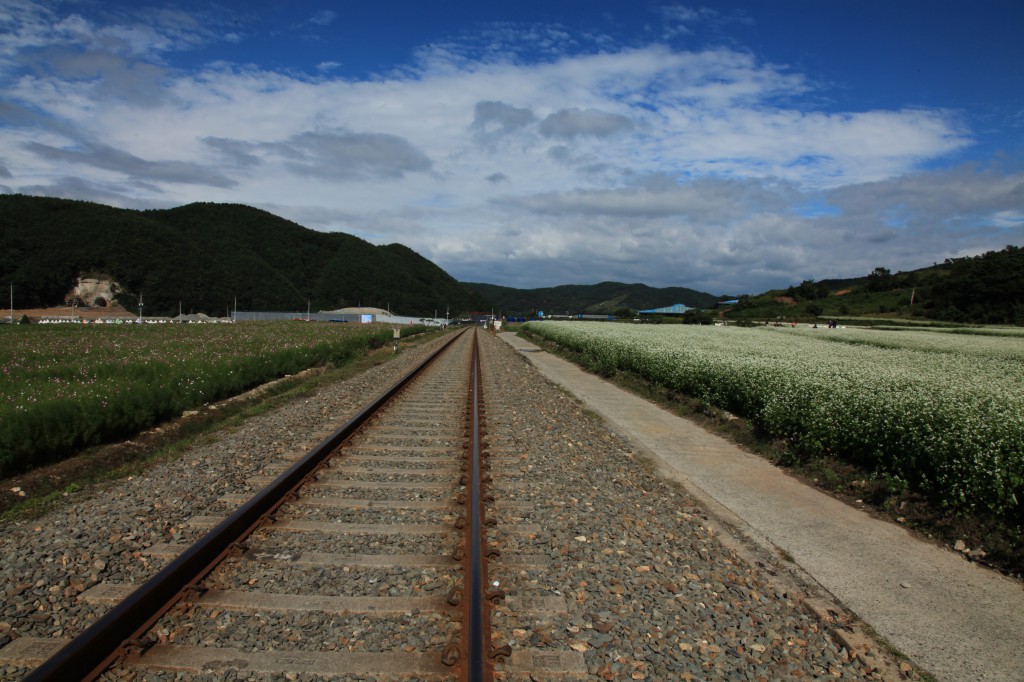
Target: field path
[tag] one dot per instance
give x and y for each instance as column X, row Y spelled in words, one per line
column 957, row 620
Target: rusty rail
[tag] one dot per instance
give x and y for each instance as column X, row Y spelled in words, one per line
column 115, row 633
column 474, row 652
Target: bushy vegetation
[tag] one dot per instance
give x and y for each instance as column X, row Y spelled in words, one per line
column 209, row 256
column 985, row 289
column 940, row 413
column 63, row 388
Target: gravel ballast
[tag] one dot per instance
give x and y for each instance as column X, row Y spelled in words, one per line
column 649, row 590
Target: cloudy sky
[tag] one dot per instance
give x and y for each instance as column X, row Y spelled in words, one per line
column 729, row 147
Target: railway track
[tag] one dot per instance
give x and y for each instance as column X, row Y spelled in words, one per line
column 378, row 554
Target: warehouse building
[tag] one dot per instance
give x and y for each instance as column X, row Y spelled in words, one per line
column 677, row 309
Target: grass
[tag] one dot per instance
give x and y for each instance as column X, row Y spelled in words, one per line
column 50, row 487
column 785, row 555
column 63, row 389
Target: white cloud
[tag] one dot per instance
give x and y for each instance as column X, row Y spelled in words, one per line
column 679, row 18
column 107, row 158
column 731, row 236
column 326, row 67
column 643, row 164
column 333, row 155
column 324, row 17
column 135, row 32
column 570, row 123
column 491, row 118
column 1012, row 219
column 709, row 199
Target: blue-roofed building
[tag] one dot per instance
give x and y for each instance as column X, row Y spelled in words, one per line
column 677, row 309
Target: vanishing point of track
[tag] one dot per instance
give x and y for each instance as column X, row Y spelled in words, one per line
column 387, row 524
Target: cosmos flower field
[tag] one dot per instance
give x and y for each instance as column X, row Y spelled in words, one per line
column 64, row 387
column 940, row 412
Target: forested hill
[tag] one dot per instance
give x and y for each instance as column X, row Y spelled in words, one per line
column 606, row 297
column 985, row 289
column 207, row 255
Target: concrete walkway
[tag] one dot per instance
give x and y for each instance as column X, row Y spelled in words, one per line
column 955, row 619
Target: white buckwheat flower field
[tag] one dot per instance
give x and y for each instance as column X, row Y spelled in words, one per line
column 941, row 411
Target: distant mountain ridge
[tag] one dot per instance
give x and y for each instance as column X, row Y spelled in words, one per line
column 606, row 297
column 983, row 289
column 208, row 256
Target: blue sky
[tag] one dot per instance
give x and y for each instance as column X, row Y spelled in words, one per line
column 729, row 147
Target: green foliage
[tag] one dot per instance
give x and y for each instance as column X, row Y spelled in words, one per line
column 661, row 319
column 986, row 289
column 698, row 317
column 67, row 387
column 206, row 256
column 880, row 279
column 808, row 291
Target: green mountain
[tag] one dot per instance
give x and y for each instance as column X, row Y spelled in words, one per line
column 606, row 297
column 985, row 289
column 207, row 256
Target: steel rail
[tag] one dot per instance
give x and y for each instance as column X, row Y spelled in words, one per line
column 473, row 651
column 476, row 646
column 109, row 638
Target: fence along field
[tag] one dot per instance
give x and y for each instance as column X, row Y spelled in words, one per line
column 942, row 413
column 64, row 387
